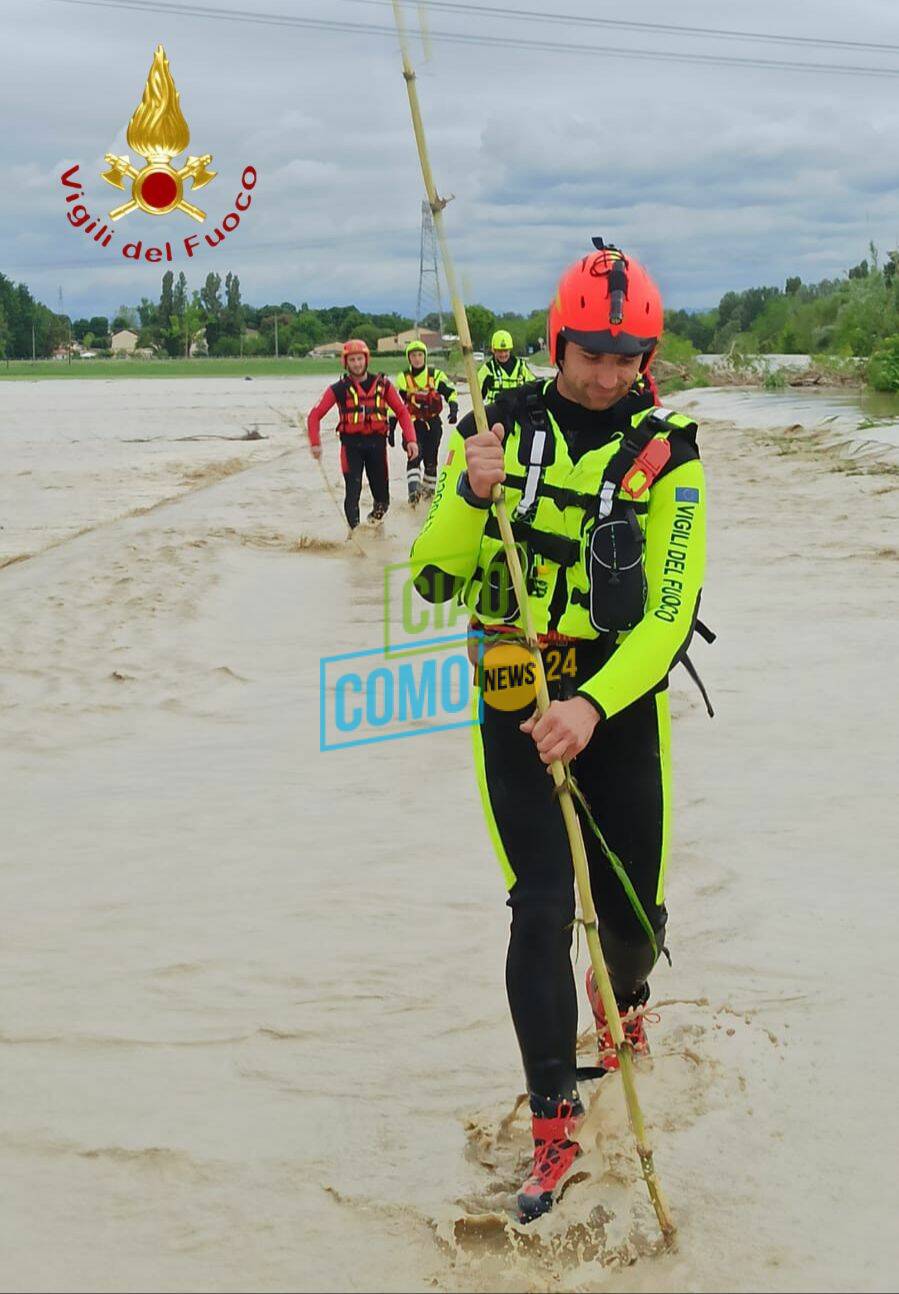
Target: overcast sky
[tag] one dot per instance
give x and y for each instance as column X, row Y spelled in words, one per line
column 718, row 176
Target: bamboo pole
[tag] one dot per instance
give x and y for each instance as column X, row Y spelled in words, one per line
column 351, row 534
column 559, row 771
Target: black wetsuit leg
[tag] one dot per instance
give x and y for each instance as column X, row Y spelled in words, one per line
column 374, row 451
column 351, row 465
column 428, row 435
column 621, row 775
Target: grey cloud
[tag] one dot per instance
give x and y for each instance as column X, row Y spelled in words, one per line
column 718, row 177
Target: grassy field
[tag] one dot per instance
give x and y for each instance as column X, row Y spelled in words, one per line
column 26, row 370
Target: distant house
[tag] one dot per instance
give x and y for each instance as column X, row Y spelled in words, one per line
column 400, row 340
column 327, row 350
column 124, row 341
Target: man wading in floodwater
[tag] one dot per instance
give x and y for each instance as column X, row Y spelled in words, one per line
column 607, row 499
column 424, row 389
column 364, row 401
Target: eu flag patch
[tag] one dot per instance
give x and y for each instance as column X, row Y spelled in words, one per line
column 686, row 494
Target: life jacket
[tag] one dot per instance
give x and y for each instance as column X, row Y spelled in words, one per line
column 587, row 519
column 362, row 413
column 425, row 402
column 500, row 380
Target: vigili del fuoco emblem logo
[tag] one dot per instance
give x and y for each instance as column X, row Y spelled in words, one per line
column 158, row 132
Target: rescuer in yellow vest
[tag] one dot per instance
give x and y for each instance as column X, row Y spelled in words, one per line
column 606, row 498
column 504, row 370
column 424, row 390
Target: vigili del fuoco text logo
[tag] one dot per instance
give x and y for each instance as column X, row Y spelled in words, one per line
column 157, row 133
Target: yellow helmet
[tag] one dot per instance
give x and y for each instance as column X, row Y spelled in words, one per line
column 417, row 344
column 501, row 340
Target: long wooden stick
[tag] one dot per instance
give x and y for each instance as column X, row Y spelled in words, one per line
column 351, row 534
column 559, row 770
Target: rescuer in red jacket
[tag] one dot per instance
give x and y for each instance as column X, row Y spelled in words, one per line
column 364, row 402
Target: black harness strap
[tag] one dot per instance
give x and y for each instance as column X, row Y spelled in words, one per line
column 558, row 548
column 536, row 445
column 691, row 670
column 565, row 498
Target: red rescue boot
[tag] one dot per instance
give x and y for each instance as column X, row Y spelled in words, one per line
column 555, row 1124
column 633, row 1022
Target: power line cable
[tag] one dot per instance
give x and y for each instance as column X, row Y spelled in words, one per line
column 664, row 29
column 484, row 39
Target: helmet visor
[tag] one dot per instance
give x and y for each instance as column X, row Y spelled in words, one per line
column 607, row 343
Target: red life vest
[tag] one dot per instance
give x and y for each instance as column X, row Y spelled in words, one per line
column 362, row 413
column 425, row 402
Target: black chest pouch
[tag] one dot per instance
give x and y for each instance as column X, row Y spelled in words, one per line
column 497, row 599
column 616, row 570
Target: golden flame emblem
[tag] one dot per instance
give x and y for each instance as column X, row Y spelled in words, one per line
column 158, row 132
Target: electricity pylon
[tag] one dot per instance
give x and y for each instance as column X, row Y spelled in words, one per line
column 427, row 270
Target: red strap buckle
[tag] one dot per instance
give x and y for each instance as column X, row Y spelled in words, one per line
column 650, row 462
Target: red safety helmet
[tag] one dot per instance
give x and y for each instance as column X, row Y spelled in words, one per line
column 606, row 302
column 355, row 347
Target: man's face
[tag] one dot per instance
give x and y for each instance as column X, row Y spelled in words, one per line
column 417, row 360
column 596, row 381
column 502, row 355
column 357, row 364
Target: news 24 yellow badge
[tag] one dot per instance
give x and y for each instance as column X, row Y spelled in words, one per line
column 508, row 677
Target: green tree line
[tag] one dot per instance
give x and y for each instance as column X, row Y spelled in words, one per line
column 231, row 327
column 216, row 320
column 854, row 315
column 26, row 327
column 857, row 315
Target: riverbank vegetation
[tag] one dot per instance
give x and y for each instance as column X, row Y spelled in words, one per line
column 849, row 325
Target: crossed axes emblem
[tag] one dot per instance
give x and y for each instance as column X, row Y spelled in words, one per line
column 168, row 192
